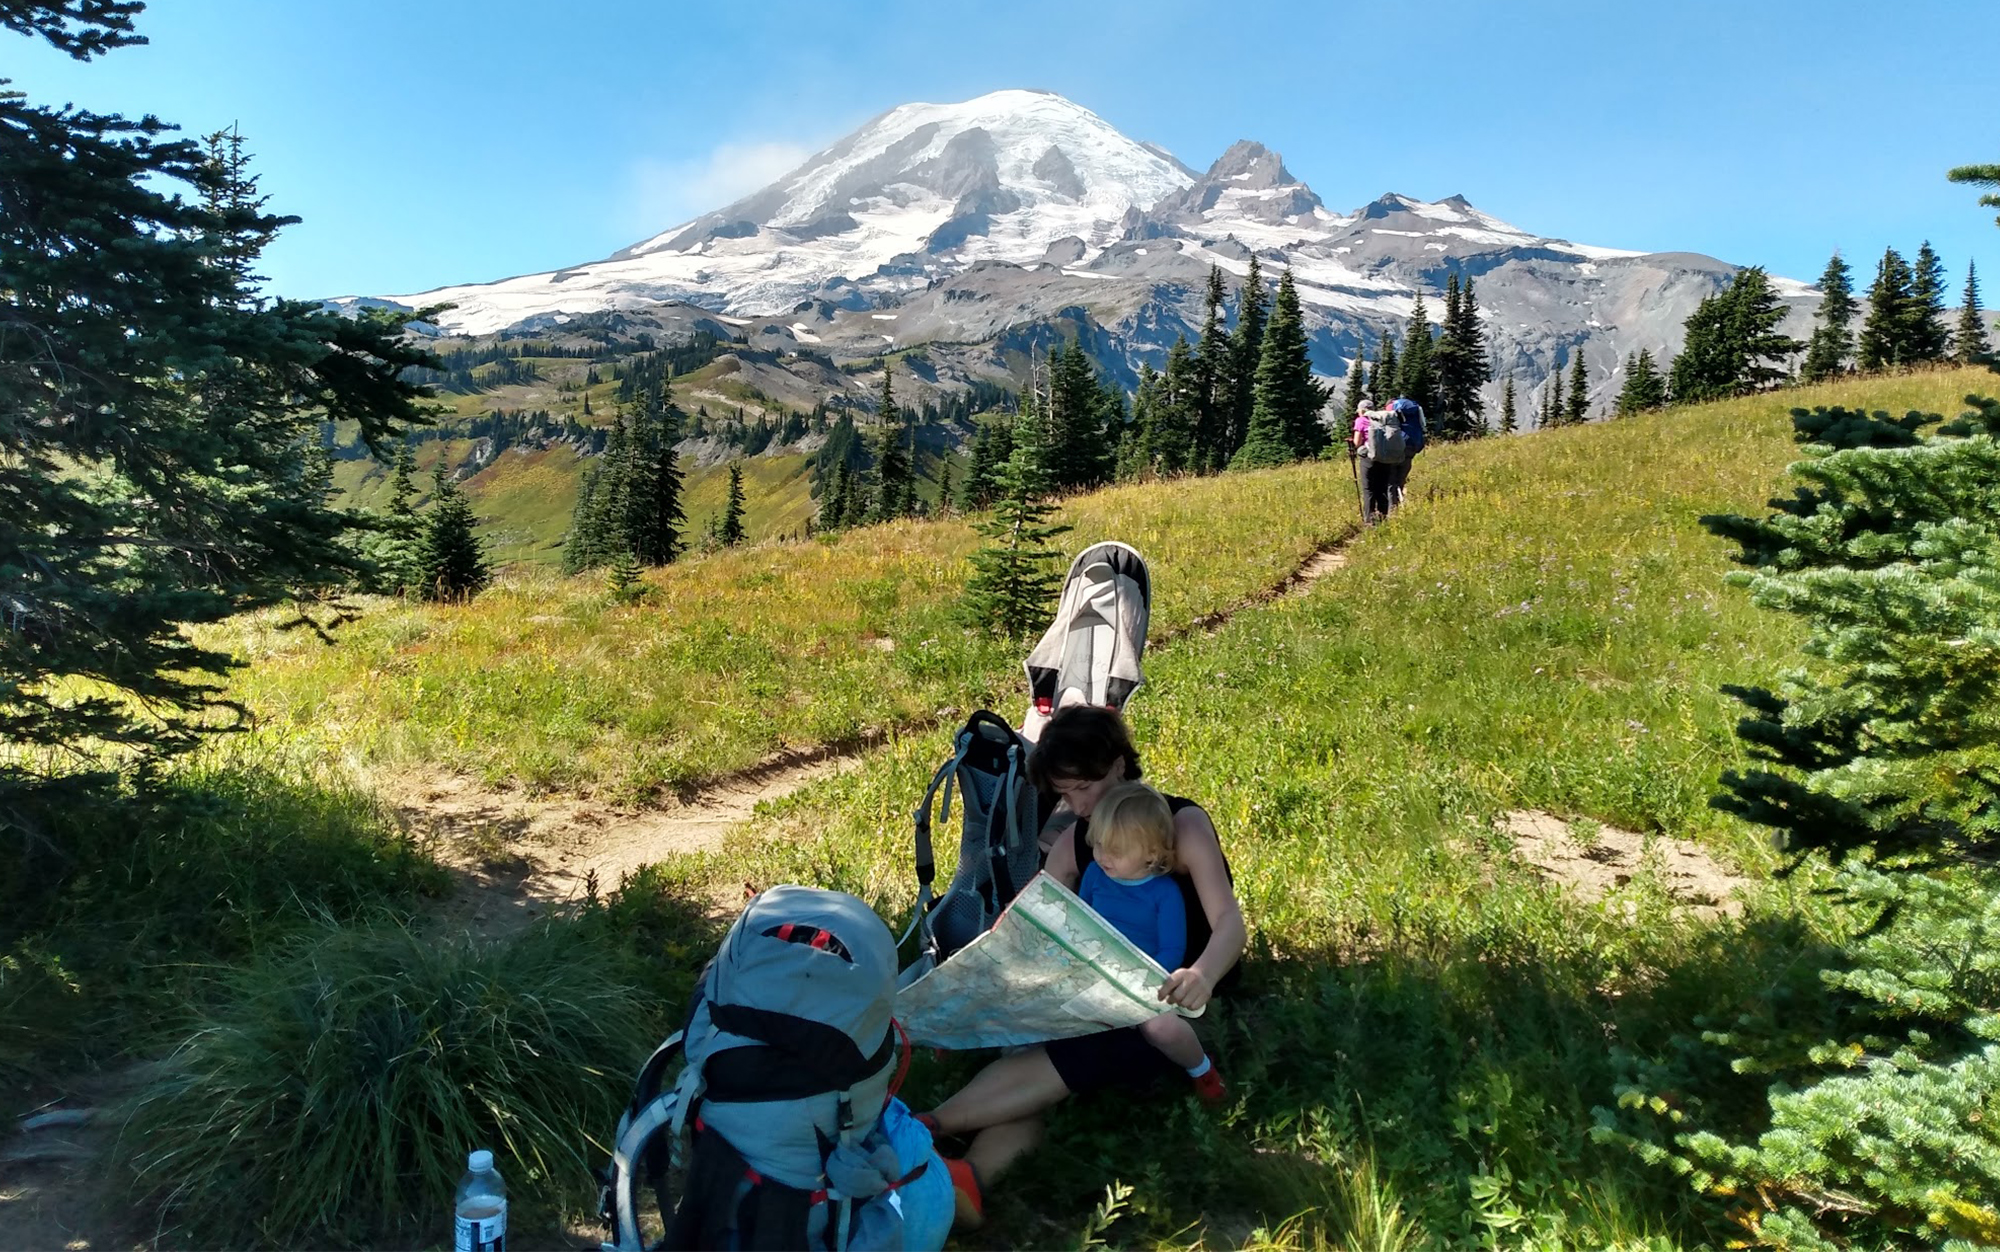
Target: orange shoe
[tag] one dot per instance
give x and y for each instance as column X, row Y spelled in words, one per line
column 968, row 1204
column 1209, row 1088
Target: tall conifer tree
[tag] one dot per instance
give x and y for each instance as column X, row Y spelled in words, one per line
column 1884, row 334
column 1925, row 331
column 1578, row 410
column 1386, row 384
column 1832, row 342
column 894, row 479
column 1215, row 357
column 162, row 466
column 1508, row 421
column 1289, row 399
column 1552, row 399
column 451, row 561
column 731, row 530
column 1969, row 346
column 1416, row 377
column 1015, row 574
column 1248, row 342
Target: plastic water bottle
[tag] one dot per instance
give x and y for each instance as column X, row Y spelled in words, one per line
column 482, row 1207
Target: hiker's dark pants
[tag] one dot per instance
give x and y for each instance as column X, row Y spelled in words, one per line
column 1378, row 478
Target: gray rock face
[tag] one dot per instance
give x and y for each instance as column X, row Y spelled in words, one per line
column 992, row 225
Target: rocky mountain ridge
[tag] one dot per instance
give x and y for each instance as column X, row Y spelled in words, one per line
column 984, row 229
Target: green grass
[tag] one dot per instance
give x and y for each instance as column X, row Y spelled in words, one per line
column 550, row 683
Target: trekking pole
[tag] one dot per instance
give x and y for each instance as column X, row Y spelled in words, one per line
column 1360, row 492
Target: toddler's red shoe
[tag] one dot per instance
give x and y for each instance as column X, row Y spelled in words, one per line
column 1209, row 1086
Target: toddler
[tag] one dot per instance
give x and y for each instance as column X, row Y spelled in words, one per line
column 1130, row 882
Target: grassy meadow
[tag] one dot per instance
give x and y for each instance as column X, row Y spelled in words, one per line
column 551, row 683
column 1424, row 1026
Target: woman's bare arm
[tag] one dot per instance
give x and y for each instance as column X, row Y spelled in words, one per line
column 1200, row 853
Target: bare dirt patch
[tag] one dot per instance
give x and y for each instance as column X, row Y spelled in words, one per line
column 1592, row 861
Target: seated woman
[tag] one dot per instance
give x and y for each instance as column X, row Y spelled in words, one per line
column 1083, row 753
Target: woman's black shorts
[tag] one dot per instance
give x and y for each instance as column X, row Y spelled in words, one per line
column 1110, row 1058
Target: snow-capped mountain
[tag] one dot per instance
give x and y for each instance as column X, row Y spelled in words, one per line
column 977, row 223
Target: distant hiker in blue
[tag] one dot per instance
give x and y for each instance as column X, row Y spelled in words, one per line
column 1409, row 415
column 1129, row 880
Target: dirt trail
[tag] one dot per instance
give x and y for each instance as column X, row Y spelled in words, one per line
column 519, row 855
column 1594, row 861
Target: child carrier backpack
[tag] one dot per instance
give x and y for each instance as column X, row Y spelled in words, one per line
column 999, row 846
column 1090, row 653
column 1385, row 444
column 789, row 1053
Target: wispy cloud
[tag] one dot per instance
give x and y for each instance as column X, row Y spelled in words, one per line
column 666, row 193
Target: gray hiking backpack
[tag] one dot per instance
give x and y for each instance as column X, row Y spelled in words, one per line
column 1385, row 445
column 999, row 846
column 789, row 1052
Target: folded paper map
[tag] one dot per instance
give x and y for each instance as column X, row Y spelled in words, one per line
column 1050, row 968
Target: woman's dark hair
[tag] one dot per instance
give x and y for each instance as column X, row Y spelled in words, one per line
column 1081, row 742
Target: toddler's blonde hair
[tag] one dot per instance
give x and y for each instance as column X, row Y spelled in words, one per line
column 1134, row 818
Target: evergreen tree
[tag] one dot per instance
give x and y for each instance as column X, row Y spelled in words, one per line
column 1386, row 384
column 1248, row 345
column 402, row 530
column 1831, row 343
column 1460, row 364
column 1508, row 421
column 161, row 422
column 1288, row 398
column 895, row 481
column 834, row 501
column 1214, row 358
column 731, row 530
column 1078, row 427
column 1925, row 332
column 1732, row 337
column 1416, row 375
column 451, row 562
column 1644, row 388
column 990, row 449
column 653, row 514
column 1016, row 573
column 1884, row 334
column 1578, row 411
column 1357, row 388
column 626, row 584
column 1175, row 424
column 1552, row 400
column 944, row 494
column 1969, row 345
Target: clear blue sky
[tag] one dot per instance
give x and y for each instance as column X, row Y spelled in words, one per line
column 427, row 142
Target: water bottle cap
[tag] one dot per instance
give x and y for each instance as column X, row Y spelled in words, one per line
column 480, row 1160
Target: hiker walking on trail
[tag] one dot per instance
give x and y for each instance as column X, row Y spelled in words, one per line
column 1378, row 445
column 1410, row 416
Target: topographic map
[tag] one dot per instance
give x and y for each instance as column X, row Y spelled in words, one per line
column 1050, row 968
